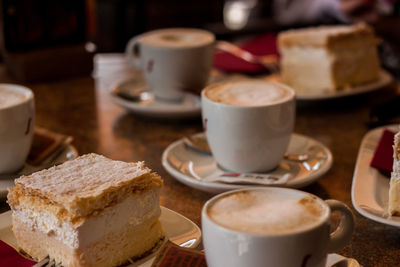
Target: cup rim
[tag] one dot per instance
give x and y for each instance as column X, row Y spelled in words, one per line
column 177, row 48
column 279, row 102
column 324, row 218
column 25, row 90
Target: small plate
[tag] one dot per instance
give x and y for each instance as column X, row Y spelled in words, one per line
column 370, row 188
column 178, row 229
column 7, row 180
column 189, row 166
column 152, row 107
column 385, row 78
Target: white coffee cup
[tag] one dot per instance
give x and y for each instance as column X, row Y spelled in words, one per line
column 248, row 123
column 17, row 117
column 272, row 227
column 173, row 60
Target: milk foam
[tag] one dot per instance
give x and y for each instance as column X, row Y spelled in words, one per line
column 178, row 38
column 10, row 98
column 259, row 212
column 248, row 93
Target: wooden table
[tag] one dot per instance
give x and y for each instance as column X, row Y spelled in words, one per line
column 82, row 107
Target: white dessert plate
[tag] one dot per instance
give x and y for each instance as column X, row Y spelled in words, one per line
column 385, row 78
column 190, row 167
column 7, row 180
column 370, row 188
column 152, row 107
column 179, row 230
column 336, row 260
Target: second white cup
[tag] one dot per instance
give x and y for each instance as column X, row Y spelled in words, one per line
column 248, row 123
column 173, row 60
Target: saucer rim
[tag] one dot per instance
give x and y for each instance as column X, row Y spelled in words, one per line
column 385, row 78
column 169, row 110
column 221, row 187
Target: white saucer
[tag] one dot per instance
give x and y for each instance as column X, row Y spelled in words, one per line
column 189, row 166
column 178, row 229
column 370, row 188
column 152, row 107
column 385, row 78
column 7, row 180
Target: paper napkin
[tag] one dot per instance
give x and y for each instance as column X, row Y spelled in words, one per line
column 172, row 255
column 260, row 46
column 383, row 156
column 10, row 257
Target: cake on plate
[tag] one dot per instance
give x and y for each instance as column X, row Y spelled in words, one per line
column 394, row 191
column 327, row 59
column 92, row 211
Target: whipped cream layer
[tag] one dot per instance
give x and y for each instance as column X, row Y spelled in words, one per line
column 314, row 62
column 134, row 210
column 396, row 157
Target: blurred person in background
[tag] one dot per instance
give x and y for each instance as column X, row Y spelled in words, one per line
column 328, row 11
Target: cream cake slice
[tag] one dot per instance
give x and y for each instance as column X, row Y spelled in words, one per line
column 394, row 190
column 92, row 211
column 327, row 59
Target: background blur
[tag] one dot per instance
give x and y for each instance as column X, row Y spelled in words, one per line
column 29, row 24
column 39, row 32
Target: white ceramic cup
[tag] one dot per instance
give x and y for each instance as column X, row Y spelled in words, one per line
column 307, row 244
column 173, row 60
column 248, row 128
column 17, row 117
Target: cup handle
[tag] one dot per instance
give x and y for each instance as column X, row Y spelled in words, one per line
column 342, row 235
column 132, row 52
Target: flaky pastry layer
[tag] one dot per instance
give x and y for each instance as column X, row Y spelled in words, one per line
column 82, row 187
column 326, row 36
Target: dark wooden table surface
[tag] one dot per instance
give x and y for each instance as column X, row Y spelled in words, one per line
column 82, row 107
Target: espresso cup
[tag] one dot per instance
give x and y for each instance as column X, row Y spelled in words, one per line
column 17, row 118
column 248, row 123
column 173, row 60
column 272, row 227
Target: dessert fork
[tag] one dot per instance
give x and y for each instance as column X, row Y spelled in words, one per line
column 270, row 62
column 47, row 262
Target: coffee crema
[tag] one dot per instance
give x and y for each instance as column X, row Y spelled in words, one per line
column 178, row 38
column 10, row 98
column 263, row 213
column 248, row 93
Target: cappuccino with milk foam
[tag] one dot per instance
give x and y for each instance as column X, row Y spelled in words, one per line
column 259, row 212
column 272, row 227
column 177, row 38
column 248, row 93
column 10, row 97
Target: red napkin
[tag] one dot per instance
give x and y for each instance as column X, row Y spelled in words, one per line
column 260, row 46
column 10, row 257
column 383, row 157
